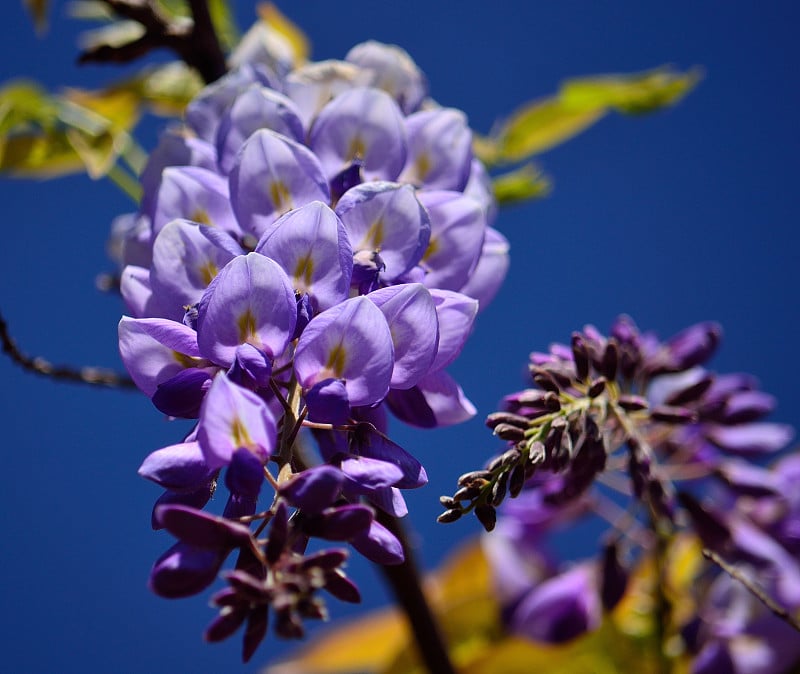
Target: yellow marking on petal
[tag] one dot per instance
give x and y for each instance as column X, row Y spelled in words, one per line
column 303, row 272
column 280, row 196
column 241, row 437
column 208, row 271
column 201, row 216
column 422, row 165
column 184, row 360
column 374, row 236
column 337, row 359
column 357, row 149
column 432, row 249
column 247, row 328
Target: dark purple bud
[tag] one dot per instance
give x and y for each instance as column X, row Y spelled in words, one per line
column 511, row 457
column 245, row 474
column 694, row 345
column 499, row 490
column 673, row 415
column 546, row 382
column 608, row 366
column 709, row 525
column 749, row 439
column 580, row 356
column 597, row 387
column 182, row 395
column 509, row 432
column 749, row 480
column 184, row 570
column 449, row 516
column 507, row 418
column 486, row 515
column 328, row 560
column 251, row 368
column 466, row 493
column 690, row 393
column 314, row 489
column 327, row 402
column 516, row 481
column 367, row 268
column 342, row 587
column 746, row 406
column 379, row 545
column 288, row 625
column 194, row 499
column 345, row 179
column 632, row 403
column 410, row 406
column 448, row 501
column 248, row 587
column 278, row 533
column 255, row 631
column 341, row 523
column 614, row 578
column 226, row 623
column 305, row 312
column 475, row 478
column 200, row 529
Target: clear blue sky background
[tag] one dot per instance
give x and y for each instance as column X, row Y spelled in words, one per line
column 687, row 215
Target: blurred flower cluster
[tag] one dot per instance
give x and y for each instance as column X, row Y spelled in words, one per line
column 639, row 431
column 312, row 248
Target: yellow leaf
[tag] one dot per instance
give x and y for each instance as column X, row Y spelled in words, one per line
column 290, row 31
column 42, row 155
column 635, row 94
column 522, row 184
column 368, row 644
column 541, row 125
column 224, row 23
column 116, row 109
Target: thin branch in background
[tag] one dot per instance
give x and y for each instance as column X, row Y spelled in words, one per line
column 756, row 591
column 196, row 43
column 405, row 582
column 84, row 375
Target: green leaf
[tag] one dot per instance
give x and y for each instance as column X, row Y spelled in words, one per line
column 539, row 126
column 224, row 24
column 38, row 9
column 42, row 155
column 23, row 103
column 631, row 94
column 522, row 184
column 542, row 124
column 90, row 10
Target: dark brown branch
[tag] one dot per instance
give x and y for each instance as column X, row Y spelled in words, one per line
column 196, row 44
column 756, row 591
column 85, row 375
column 406, row 585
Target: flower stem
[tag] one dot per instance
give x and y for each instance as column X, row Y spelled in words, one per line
column 405, row 582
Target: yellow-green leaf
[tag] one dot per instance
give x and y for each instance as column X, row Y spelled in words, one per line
column 38, row 9
column 224, row 23
column 539, row 126
column 522, row 184
column 633, row 94
column 41, row 155
column 23, row 103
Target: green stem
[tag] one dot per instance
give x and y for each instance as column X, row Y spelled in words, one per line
column 125, row 181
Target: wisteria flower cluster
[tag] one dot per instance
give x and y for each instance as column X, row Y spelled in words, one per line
column 312, row 249
column 640, row 431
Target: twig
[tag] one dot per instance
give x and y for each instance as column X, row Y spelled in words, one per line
column 196, row 43
column 404, row 580
column 757, row 592
column 84, row 375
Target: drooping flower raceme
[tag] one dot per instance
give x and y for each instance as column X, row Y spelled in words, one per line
column 630, row 414
column 312, row 248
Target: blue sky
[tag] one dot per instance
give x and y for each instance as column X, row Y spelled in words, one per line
column 686, row 215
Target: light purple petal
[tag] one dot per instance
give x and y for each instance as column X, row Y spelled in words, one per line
column 387, row 218
column 178, row 467
column 445, row 397
column 458, row 228
column 363, row 124
column 233, row 417
column 255, row 108
column 350, row 341
column 271, row 176
column 195, row 194
column 311, row 245
column 456, row 315
column 485, row 280
column 371, row 473
column 251, row 301
column 439, row 150
column 135, row 288
column 412, row 317
column 379, row 545
column 749, row 439
column 184, row 263
column 156, row 349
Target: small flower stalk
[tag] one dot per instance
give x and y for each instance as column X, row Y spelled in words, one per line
column 638, row 430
